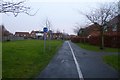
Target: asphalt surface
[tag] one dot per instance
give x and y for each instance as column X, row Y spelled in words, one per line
column 90, row 63
column 61, row 66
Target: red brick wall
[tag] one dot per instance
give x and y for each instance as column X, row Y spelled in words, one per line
column 109, row 41
column 78, row 39
column 94, row 40
column 112, row 41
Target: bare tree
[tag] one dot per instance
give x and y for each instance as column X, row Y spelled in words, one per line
column 15, row 7
column 101, row 16
column 76, row 28
column 48, row 24
column 119, row 7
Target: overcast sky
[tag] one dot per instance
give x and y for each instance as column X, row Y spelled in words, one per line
column 63, row 15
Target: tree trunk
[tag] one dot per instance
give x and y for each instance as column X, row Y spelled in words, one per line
column 102, row 38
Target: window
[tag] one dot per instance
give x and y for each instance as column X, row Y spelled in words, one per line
column 114, row 28
column 105, row 28
column 89, row 36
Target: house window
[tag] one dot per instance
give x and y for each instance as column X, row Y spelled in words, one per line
column 89, row 36
column 105, row 28
column 114, row 28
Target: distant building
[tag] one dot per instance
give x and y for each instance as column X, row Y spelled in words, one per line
column 33, row 34
column 92, row 30
column 36, row 34
column 39, row 34
column 57, row 35
column 22, row 34
column 72, row 36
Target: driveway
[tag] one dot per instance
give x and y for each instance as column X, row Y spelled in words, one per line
column 71, row 61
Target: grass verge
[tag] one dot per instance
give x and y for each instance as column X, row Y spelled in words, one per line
column 113, row 60
column 96, row 48
column 25, row 59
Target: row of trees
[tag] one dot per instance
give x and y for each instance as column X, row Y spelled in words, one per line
column 101, row 16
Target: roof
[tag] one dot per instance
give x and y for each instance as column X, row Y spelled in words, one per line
column 93, row 26
column 95, row 33
column 37, row 32
column 115, row 20
column 21, row 32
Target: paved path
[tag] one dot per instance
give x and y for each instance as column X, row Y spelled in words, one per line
column 92, row 64
column 73, row 62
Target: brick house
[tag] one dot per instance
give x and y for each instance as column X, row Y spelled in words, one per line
column 89, row 31
column 114, row 25
column 91, row 34
column 112, row 33
column 33, row 34
column 36, row 34
column 22, row 34
column 57, row 35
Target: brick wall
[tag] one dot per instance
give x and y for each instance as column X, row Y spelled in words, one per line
column 109, row 41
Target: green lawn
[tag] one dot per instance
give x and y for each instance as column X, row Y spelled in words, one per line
column 113, row 60
column 25, row 59
column 96, row 48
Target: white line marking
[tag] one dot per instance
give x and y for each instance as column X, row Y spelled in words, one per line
column 76, row 63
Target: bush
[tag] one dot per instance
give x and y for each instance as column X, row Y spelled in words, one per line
column 94, row 40
column 78, row 39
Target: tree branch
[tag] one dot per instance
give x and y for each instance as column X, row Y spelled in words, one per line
column 15, row 8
